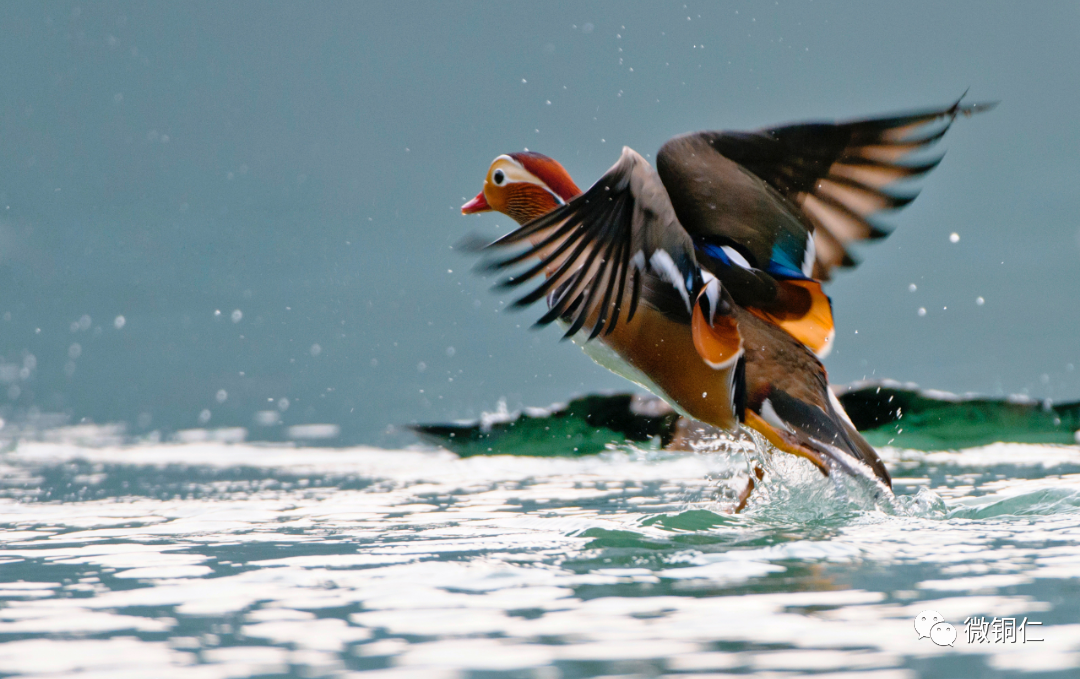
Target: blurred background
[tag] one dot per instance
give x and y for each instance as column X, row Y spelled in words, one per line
column 242, row 214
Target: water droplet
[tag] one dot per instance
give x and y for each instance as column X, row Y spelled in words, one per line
column 954, row 237
column 119, row 322
column 980, row 301
column 221, row 396
column 316, row 350
column 922, row 311
column 421, row 367
column 267, row 418
column 204, row 416
column 912, row 288
column 237, row 315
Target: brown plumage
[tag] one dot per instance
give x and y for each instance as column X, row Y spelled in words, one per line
column 696, row 276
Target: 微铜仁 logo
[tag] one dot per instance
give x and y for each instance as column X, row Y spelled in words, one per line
column 932, row 624
column 978, row 630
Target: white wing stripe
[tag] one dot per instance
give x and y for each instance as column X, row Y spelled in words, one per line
column 662, row 263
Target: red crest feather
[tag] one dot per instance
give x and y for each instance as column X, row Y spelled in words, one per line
column 550, row 171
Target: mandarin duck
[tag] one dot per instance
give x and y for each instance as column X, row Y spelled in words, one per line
column 701, row 278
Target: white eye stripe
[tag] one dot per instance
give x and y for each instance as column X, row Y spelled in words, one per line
column 514, row 172
column 509, row 159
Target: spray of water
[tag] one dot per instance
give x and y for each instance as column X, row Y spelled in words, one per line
column 787, row 489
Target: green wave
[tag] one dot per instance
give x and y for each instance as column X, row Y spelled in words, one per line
column 886, row 413
column 928, row 420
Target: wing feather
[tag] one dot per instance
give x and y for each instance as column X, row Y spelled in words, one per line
column 595, row 248
column 835, row 173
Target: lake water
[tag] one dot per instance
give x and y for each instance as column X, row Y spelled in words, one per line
column 228, row 285
column 210, row 559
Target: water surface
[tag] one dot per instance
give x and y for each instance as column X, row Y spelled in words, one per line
column 232, row 560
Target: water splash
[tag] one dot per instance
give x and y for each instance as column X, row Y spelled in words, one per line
column 240, row 560
column 787, row 489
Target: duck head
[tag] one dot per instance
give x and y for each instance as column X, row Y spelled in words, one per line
column 524, row 186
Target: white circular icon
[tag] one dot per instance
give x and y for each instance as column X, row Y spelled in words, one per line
column 925, row 621
column 943, row 634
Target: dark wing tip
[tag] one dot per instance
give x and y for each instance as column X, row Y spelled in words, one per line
column 898, row 199
column 472, row 243
column 972, row 109
column 917, row 170
column 877, row 231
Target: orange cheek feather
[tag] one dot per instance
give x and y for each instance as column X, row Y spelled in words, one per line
column 525, row 202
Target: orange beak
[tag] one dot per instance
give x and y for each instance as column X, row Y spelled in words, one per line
column 478, row 204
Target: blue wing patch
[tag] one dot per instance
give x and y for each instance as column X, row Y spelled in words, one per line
column 716, row 252
column 787, row 256
column 785, row 262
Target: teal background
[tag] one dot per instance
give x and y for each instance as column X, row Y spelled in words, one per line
column 304, row 164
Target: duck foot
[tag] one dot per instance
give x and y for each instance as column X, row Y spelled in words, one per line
column 744, row 496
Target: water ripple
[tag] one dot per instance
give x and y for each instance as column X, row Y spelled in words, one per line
column 217, row 560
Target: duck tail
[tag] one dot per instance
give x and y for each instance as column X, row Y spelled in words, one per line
column 826, row 437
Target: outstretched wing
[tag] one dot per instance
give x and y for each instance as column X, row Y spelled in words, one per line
column 595, row 249
column 836, row 173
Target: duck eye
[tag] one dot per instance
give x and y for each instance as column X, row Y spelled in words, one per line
column 498, row 177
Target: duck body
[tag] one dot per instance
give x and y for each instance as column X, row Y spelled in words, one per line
column 700, row 279
column 657, row 352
